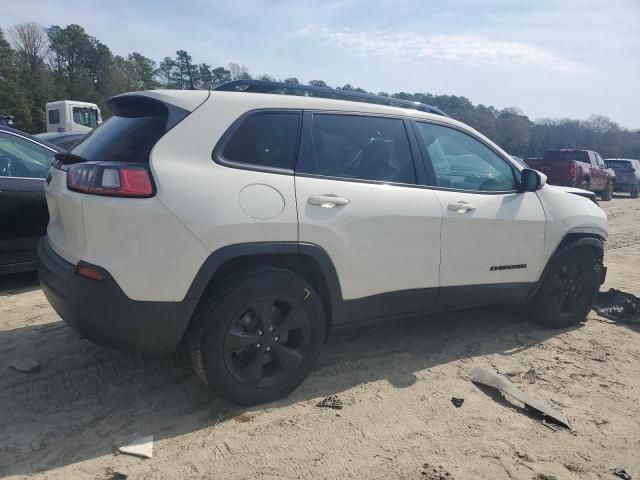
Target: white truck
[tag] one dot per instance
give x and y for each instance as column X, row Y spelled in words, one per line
column 72, row 116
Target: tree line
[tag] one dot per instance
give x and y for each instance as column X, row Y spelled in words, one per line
column 39, row 65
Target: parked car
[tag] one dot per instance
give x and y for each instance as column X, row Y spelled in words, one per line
column 64, row 140
column 6, row 120
column 249, row 225
column 627, row 174
column 24, row 163
column 576, row 191
column 583, row 169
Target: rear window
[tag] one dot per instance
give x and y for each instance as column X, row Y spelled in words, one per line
column 618, row 164
column 576, row 155
column 54, row 116
column 138, row 123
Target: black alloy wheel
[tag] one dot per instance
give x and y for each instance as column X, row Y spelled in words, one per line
column 267, row 341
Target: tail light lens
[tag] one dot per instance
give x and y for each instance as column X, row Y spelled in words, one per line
column 573, row 169
column 111, row 179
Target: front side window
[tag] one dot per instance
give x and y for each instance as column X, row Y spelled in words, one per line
column 264, row 140
column 87, row 117
column 359, row 147
column 461, row 162
column 54, row 116
column 20, row 157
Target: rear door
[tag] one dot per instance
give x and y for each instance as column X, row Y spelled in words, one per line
column 23, row 211
column 358, row 199
column 492, row 236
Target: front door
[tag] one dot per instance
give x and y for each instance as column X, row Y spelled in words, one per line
column 358, row 199
column 23, row 209
column 492, row 236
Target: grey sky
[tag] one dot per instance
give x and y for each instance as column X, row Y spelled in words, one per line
column 566, row 58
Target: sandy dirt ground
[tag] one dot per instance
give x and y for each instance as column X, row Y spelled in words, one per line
column 396, row 381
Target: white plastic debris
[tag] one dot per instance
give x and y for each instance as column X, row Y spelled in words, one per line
column 25, row 365
column 141, row 447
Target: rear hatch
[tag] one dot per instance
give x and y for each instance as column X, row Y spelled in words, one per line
column 625, row 171
column 560, row 165
column 112, row 161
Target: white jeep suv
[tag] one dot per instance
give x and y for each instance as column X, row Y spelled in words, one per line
column 249, row 223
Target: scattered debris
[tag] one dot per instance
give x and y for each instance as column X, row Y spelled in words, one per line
column 491, row 379
column 331, row 402
column 113, row 475
column 545, row 476
column 457, row 402
column 529, row 376
column 431, row 472
column 141, row 447
column 620, row 472
column 25, row 365
column 617, row 305
column 244, row 418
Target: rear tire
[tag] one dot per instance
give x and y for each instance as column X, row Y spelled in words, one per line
column 635, row 191
column 584, row 185
column 568, row 289
column 257, row 335
column 607, row 193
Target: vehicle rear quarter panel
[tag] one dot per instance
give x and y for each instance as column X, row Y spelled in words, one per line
column 203, row 194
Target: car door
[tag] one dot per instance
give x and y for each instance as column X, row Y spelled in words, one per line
column 492, row 235
column 23, row 209
column 602, row 170
column 595, row 173
column 358, row 199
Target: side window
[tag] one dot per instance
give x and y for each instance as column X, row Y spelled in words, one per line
column 264, row 140
column 20, row 157
column 592, row 158
column 359, row 147
column 600, row 160
column 464, row 163
column 54, row 116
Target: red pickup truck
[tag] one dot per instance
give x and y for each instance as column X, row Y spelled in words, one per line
column 576, row 168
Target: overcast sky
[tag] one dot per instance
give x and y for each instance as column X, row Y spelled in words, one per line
column 562, row 58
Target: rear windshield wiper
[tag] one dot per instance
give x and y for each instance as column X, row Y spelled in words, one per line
column 66, row 158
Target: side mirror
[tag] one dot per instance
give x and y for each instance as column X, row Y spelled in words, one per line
column 531, row 180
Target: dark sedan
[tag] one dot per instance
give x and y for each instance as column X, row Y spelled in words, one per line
column 64, row 140
column 24, row 165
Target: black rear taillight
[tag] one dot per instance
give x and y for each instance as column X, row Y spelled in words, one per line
column 111, row 179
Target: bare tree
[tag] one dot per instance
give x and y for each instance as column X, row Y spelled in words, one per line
column 30, row 42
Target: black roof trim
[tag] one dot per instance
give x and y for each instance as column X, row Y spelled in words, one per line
column 261, row 86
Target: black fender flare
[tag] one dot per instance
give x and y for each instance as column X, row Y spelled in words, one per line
column 295, row 250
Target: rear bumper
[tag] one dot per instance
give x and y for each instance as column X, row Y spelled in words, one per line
column 102, row 313
column 625, row 187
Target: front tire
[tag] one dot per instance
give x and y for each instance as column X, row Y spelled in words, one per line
column 257, row 335
column 635, row 191
column 607, row 193
column 568, row 289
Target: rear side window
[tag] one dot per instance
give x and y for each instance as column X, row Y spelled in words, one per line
column 359, row 147
column 576, row 155
column 54, row 116
column 263, row 140
column 138, row 123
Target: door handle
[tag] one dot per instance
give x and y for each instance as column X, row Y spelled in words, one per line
column 461, row 207
column 327, row 201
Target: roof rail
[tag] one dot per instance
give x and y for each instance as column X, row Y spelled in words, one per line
column 261, row 86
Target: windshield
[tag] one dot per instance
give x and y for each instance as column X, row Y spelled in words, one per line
column 576, row 155
column 85, row 116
